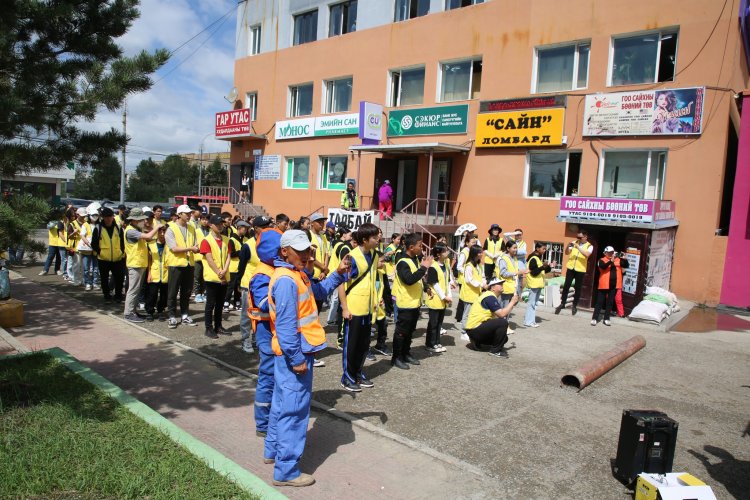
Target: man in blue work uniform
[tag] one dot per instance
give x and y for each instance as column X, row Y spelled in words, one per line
column 297, row 335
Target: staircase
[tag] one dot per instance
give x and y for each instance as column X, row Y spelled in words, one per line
column 246, row 210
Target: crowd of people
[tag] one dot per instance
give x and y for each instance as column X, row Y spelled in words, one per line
column 280, row 274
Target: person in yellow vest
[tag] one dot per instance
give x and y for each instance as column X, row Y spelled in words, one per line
column 473, row 284
column 389, row 260
column 492, row 250
column 439, row 297
column 535, row 281
column 469, row 241
column 121, row 216
column 108, row 243
column 158, row 211
column 216, row 250
column 136, row 251
column 510, row 270
column 201, row 231
column 69, row 228
column 320, row 241
column 282, row 222
column 297, row 336
column 157, row 279
column 359, row 303
column 183, row 245
column 408, row 289
column 381, row 281
column 342, row 238
column 56, row 248
column 233, row 297
column 349, row 198
column 578, row 252
column 487, row 323
column 82, row 274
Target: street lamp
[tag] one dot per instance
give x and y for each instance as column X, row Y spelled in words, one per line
column 200, row 166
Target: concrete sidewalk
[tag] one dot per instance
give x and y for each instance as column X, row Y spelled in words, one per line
column 214, row 405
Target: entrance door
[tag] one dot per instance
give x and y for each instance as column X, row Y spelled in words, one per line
column 249, row 170
column 634, row 279
column 385, row 169
column 406, row 190
column 440, row 188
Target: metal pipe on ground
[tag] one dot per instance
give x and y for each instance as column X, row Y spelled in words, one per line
column 592, row 370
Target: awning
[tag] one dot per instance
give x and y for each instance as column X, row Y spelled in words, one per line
column 583, row 221
column 402, row 149
column 242, row 137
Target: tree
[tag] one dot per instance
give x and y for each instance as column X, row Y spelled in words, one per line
column 59, row 65
column 215, row 174
column 158, row 182
column 145, row 183
column 20, row 214
column 101, row 181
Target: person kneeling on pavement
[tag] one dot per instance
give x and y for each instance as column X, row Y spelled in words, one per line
column 487, row 323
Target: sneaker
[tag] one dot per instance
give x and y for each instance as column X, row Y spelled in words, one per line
column 149, row 317
column 187, row 320
column 366, row 382
column 510, row 331
column 247, row 346
column 350, row 387
column 573, row 310
column 382, row 349
column 89, row 287
column 533, row 325
column 593, row 322
column 607, row 323
column 499, row 354
column 465, row 337
column 319, row 363
column 222, row 331
column 443, row 331
column 226, row 309
column 60, row 273
column 440, row 348
column 42, row 273
column 432, row 349
column 133, row 318
column 370, row 356
column 97, row 287
column 173, row 322
column 210, row 333
column 301, row 480
column 142, row 306
column 199, row 299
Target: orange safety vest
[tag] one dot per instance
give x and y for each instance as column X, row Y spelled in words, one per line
column 604, row 276
column 307, row 312
column 256, row 315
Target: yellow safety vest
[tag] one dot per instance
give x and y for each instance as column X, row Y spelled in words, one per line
column 54, row 236
column 362, row 298
column 199, row 237
column 252, row 264
column 182, row 259
column 379, row 277
column 469, row 293
column 110, row 249
column 511, row 264
column 118, row 220
column 492, row 247
column 478, row 313
column 137, row 253
column 234, row 262
column 436, row 302
column 159, row 271
column 390, row 266
column 407, row 296
column 72, row 241
column 578, row 261
column 256, row 315
column 460, row 277
column 219, row 255
column 334, row 261
column 321, row 242
column 535, row 281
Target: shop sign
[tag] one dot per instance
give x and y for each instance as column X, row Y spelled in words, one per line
column 267, row 168
column 512, row 129
column 350, row 219
column 616, row 209
column 370, row 122
column 630, row 275
column 547, row 101
column 321, row 126
column 232, row 124
column 646, row 112
column 428, row 121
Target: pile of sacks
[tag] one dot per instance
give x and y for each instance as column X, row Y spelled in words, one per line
column 657, row 305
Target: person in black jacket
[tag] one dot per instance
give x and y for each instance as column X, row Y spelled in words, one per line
column 109, row 263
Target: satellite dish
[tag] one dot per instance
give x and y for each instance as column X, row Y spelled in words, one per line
column 232, row 95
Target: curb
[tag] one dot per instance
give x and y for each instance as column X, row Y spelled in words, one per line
column 215, row 460
column 15, row 344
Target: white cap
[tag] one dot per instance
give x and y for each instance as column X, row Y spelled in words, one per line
column 609, row 249
column 296, row 239
column 147, row 210
column 183, row 209
column 92, row 210
column 495, row 281
column 94, row 205
column 82, row 212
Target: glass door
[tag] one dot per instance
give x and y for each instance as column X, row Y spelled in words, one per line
column 440, row 189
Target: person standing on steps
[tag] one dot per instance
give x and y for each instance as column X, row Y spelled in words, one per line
column 385, row 200
column 578, row 252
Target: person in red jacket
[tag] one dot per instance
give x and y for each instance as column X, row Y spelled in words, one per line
column 610, row 279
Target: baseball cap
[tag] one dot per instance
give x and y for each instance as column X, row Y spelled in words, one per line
column 296, row 239
column 609, row 249
column 242, row 223
column 386, row 181
column 262, row 221
column 331, row 224
column 495, row 281
column 317, row 216
column 183, row 209
column 107, row 212
column 268, row 244
column 137, row 214
column 92, row 211
column 121, row 207
column 216, row 220
column 82, row 212
column 147, row 211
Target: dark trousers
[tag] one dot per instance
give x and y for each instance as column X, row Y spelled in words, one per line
column 603, row 296
column 387, row 293
column 232, row 289
column 156, row 291
column 489, row 271
column 571, row 275
column 493, row 332
column 382, row 332
column 460, row 307
column 117, row 270
column 180, row 280
column 434, row 324
column 215, row 293
column 356, row 344
column 405, row 326
column 199, row 285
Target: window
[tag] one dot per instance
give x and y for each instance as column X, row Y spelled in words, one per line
column 552, row 174
column 407, row 87
column 343, row 18
column 554, row 254
column 460, row 80
column 562, row 68
column 306, row 27
column 251, row 103
column 254, row 40
column 338, row 96
column 300, row 100
column 297, row 173
column 409, row 9
column 457, row 4
column 633, row 174
column 333, row 172
column 646, row 58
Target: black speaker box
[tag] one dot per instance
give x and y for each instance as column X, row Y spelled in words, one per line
column 646, row 444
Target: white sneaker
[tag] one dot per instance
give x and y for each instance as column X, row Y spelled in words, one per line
column 443, row 331
column 42, row 273
column 59, row 273
column 607, row 323
column 465, row 337
column 511, row 331
column 593, row 322
column 88, row 288
column 247, row 346
column 318, row 363
column 142, row 306
column 440, row 348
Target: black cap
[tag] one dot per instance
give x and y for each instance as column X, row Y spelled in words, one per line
column 107, row 212
column 262, row 221
column 216, row 220
column 121, row 207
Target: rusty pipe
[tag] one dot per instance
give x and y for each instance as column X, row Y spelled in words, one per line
column 592, row 370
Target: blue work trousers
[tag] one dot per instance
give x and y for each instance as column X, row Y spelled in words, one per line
column 264, row 385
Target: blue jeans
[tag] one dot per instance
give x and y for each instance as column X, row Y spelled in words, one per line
column 15, row 254
column 245, row 323
column 51, row 253
column 88, row 274
column 530, row 318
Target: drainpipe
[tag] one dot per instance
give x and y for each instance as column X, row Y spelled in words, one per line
column 429, row 187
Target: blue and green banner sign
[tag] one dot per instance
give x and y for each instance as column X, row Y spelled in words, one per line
column 428, row 121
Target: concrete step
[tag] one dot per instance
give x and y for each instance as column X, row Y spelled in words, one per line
column 249, row 210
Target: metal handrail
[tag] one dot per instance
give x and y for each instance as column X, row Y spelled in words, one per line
column 429, row 209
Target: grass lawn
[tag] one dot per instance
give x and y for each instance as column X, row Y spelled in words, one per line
column 62, row 437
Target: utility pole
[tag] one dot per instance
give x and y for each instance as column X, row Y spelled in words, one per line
column 200, row 170
column 124, row 151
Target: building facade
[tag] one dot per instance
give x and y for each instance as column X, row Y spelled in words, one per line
column 541, row 115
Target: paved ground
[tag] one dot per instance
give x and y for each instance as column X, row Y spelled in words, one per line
column 509, row 419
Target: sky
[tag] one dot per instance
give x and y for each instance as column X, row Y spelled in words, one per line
column 178, row 112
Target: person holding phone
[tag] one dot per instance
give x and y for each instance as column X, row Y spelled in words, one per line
column 578, row 252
